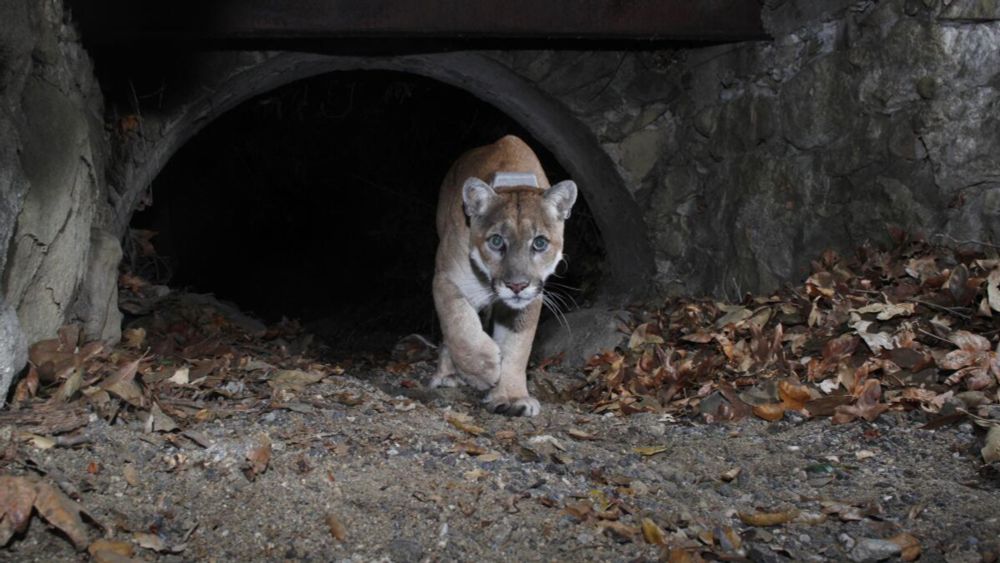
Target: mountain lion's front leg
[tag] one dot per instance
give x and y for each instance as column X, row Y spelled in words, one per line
column 514, row 332
column 467, row 348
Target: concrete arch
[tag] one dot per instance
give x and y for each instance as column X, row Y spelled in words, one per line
column 236, row 77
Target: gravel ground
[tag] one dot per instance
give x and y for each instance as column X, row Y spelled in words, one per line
column 368, row 466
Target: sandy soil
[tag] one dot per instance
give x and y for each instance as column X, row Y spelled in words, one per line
column 369, row 466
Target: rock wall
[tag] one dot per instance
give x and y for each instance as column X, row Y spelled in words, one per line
column 15, row 43
column 53, row 152
column 748, row 159
column 752, row 158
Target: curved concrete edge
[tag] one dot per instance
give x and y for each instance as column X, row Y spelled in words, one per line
column 579, row 335
column 629, row 255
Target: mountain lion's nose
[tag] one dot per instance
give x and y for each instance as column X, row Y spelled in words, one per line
column 516, row 287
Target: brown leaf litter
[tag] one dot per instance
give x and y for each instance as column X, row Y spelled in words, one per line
column 914, row 327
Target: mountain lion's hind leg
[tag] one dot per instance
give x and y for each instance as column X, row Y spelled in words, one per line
column 445, row 375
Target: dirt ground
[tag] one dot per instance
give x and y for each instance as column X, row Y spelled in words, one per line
column 371, row 466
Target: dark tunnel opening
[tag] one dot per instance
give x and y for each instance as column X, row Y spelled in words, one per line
column 316, row 202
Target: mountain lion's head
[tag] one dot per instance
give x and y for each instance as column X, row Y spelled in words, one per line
column 516, row 237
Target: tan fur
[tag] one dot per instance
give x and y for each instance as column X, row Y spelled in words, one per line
column 470, row 275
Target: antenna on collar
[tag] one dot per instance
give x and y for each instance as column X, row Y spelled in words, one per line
column 511, row 179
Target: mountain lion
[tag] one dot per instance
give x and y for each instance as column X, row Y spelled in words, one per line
column 501, row 235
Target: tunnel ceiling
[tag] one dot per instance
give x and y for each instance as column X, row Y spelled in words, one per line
column 643, row 20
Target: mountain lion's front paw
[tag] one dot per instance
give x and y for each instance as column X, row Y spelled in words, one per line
column 480, row 366
column 502, row 403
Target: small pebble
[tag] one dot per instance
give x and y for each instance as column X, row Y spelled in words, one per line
column 846, row 541
column 870, row 550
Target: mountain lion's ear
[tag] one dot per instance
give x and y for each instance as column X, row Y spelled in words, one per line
column 562, row 196
column 476, row 195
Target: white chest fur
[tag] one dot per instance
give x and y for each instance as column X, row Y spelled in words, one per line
column 472, row 285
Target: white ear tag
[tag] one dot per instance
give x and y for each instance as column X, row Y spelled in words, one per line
column 504, row 179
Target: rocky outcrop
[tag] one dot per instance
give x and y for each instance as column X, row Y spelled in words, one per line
column 52, row 157
column 750, row 159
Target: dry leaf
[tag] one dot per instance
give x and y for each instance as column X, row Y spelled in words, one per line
column 505, row 435
column 991, row 451
column 134, row 337
column 131, row 475
column 259, row 457
column 149, row 541
column 349, row 399
column 650, row 450
column 489, row 456
column 734, row 317
column 462, row 423
column 468, row 447
column 293, row 379
column 810, row 518
column 337, row 529
column 730, row 536
column 820, row 284
column 123, row 384
column 474, row 474
column 17, row 496
column 730, row 474
column 110, row 551
column 770, row 411
column 845, row 512
column 700, row 337
column 761, row 519
column 180, row 377
column 966, row 340
column 679, row 555
column 644, row 334
column 578, row 434
column 39, row 442
column 652, row 533
column 27, row 387
column 62, row 512
column 876, row 341
column 157, row 421
column 69, row 387
column 620, row 530
column 793, row 395
column 828, row 385
column 868, row 405
column 922, row 267
column 909, row 546
column 581, row 510
column 888, row 311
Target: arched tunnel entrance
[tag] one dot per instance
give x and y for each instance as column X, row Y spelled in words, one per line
column 316, row 201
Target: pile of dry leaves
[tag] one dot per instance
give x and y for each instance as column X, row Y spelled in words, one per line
column 191, row 360
column 912, row 327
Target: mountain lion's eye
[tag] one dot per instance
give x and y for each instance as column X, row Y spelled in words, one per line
column 539, row 244
column 495, row 242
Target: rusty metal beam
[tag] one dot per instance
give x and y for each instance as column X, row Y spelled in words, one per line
column 121, row 21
